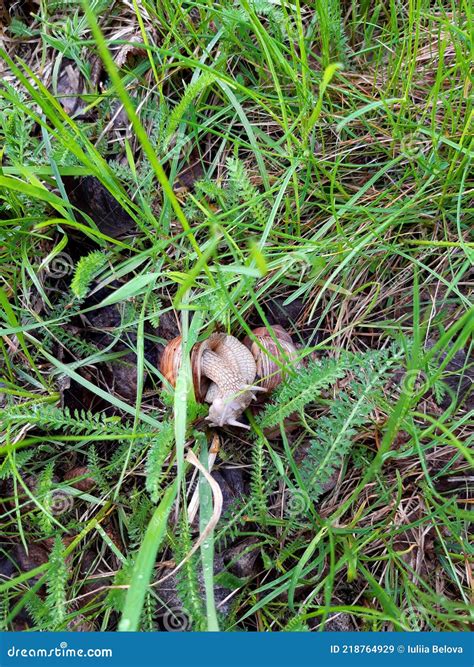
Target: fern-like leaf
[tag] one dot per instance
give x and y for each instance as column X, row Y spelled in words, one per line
column 296, row 624
column 339, row 42
column 57, row 576
column 293, row 395
column 95, row 469
column 49, row 417
column 348, row 413
column 154, row 308
column 86, row 269
column 240, row 190
column 74, row 344
column 147, row 620
column 44, row 494
column 141, row 511
column 335, row 432
column 21, row 459
column 258, row 484
column 191, row 91
column 159, row 450
column 187, row 583
column 116, row 595
column 39, row 612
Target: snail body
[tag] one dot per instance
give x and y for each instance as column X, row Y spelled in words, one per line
column 232, row 369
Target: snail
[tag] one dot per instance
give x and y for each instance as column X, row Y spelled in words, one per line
column 269, row 372
column 223, row 371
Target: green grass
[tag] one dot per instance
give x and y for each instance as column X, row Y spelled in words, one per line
column 330, row 147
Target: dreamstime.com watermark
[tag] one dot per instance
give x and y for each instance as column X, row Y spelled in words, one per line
column 176, row 620
column 61, row 651
column 59, row 266
column 415, row 381
column 59, row 502
column 296, row 502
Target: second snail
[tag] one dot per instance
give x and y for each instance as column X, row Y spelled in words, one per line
column 225, row 371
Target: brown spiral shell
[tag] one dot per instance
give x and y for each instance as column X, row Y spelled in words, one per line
column 171, row 363
column 270, row 374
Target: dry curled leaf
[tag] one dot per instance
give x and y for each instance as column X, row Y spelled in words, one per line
column 129, row 49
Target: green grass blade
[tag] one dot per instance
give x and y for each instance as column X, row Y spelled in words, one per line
column 145, row 562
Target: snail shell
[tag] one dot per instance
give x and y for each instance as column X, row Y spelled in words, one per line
column 171, row 363
column 270, row 373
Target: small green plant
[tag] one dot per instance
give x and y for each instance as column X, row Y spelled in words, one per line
column 96, row 470
column 154, row 310
column 16, row 127
column 85, row 271
column 56, row 419
column 44, row 488
column 157, row 454
column 57, row 577
column 302, row 388
column 241, row 191
column 187, row 581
